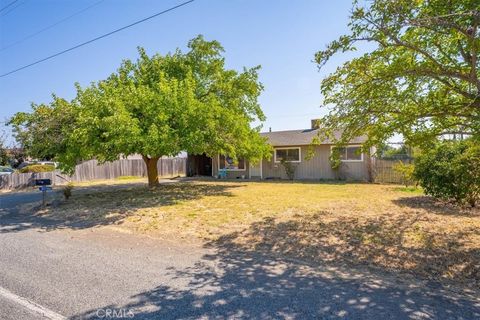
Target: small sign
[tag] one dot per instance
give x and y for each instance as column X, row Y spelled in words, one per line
column 43, row 182
column 44, row 188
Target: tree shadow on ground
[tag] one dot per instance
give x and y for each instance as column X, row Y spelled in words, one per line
column 102, row 205
column 436, row 206
column 232, row 285
column 393, row 244
column 280, row 181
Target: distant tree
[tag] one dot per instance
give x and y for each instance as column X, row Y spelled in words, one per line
column 421, row 79
column 155, row 106
column 391, row 152
column 4, row 159
column 16, row 156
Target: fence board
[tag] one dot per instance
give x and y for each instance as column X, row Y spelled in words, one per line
column 384, row 172
column 91, row 170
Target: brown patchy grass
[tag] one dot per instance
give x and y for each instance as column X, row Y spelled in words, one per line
column 364, row 224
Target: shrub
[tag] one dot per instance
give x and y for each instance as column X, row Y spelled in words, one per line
column 336, row 163
column 67, row 190
column 451, row 171
column 37, row 168
column 406, row 171
column 289, row 169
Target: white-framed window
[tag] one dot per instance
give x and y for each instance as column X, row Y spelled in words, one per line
column 288, row 154
column 231, row 164
column 350, row 153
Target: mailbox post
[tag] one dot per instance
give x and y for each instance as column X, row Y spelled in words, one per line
column 44, row 185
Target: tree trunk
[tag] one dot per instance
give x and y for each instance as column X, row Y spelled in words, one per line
column 152, row 170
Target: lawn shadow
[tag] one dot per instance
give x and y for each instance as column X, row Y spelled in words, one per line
column 228, row 284
column 279, row 181
column 391, row 244
column 102, row 205
column 435, row 206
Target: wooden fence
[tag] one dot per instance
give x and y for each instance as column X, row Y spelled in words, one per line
column 91, row 170
column 383, row 171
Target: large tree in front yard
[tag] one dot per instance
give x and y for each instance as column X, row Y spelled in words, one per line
column 161, row 105
column 421, row 79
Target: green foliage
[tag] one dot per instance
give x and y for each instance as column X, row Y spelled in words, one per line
column 67, row 190
column 45, row 132
column 4, row 158
column 334, row 158
column 406, row 170
column 410, row 190
column 389, row 152
column 155, row 106
column 37, row 168
column 451, row 171
column 421, row 79
column 289, row 168
column 336, row 163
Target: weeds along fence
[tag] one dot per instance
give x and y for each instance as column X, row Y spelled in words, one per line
column 383, row 170
column 91, row 170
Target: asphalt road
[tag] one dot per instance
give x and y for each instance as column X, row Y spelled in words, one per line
column 98, row 273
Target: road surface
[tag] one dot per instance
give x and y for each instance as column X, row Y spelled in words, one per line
column 49, row 270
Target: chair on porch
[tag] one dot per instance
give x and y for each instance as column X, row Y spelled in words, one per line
column 222, row 173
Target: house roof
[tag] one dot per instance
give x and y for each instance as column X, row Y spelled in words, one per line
column 300, row 137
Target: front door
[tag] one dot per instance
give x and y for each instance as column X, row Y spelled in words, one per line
column 256, row 171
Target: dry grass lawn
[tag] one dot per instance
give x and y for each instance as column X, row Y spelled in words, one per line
column 379, row 225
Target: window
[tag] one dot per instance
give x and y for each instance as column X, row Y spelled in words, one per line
column 350, row 153
column 229, row 163
column 287, row 154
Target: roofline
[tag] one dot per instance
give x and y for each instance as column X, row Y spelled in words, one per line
column 293, row 130
column 311, row 144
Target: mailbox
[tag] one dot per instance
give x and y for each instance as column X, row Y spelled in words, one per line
column 43, row 182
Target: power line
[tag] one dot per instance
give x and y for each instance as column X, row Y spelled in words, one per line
column 15, row 7
column 51, row 26
column 97, row 38
column 8, row 5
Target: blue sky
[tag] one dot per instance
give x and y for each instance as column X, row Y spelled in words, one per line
column 282, row 36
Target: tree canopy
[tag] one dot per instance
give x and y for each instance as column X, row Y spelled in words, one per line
column 155, row 106
column 421, row 80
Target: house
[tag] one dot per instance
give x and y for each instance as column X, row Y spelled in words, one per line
column 293, row 146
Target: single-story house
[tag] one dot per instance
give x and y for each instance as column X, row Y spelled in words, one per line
column 293, row 146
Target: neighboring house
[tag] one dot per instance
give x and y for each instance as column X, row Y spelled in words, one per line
column 293, row 146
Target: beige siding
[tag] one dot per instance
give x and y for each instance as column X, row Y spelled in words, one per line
column 318, row 167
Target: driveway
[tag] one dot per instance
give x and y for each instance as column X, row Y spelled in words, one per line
column 52, row 270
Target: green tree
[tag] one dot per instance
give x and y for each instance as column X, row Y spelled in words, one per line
column 44, row 132
column 4, row 158
column 421, row 79
column 159, row 106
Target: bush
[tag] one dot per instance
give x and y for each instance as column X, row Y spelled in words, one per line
column 451, row 171
column 67, row 190
column 406, row 171
column 289, row 169
column 37, row 168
